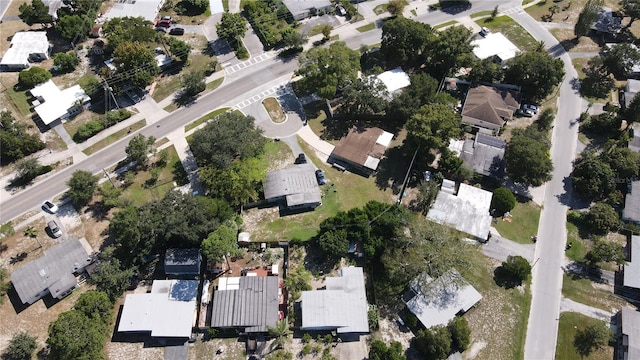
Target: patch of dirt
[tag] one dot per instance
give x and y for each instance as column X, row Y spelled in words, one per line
column 133, row 350
column 252, row 218
column 389, row 330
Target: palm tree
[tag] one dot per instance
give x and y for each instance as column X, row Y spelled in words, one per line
column 281, row 334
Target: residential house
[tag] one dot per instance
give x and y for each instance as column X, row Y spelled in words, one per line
column 361, row 150
column 628, row 334
column 51, row 103
column 168, row 311
column 54, row 273
column 296, row 187
column 147, row 9
column 496, row 47
column 631, row 274
column 438, row 302
column 630, row 90
column 466, row 210
column 485, row 155
column 302, row 9
column 607, row 22
column 247, row 304
column 182, row 263
column 394, row 80
column 26, row 47
column 342, row 306
column 634, row 142
column 488, row 107
column 631, row 211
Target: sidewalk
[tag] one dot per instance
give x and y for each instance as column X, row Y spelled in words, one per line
column 590, row 311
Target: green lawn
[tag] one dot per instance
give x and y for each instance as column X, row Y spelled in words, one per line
column 205, row 118
column 570, row 323
column 579, row 245
column 511, row 30
column 138, row 193
column 380, row 9
column 343, row 191
column 582, row 290
column 523, row 225
column 365, row 28
column 274, row 110
column 481, row 13
column 445, row 24
column 20, row 100
column 114, row 137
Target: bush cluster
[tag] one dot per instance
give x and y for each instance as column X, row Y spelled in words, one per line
column 93, row 127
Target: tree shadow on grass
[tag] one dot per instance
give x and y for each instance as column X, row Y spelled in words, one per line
column 392, row 170
column 503, row 279
column 316, row 261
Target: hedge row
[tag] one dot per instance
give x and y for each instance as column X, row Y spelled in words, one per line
column 92, row 127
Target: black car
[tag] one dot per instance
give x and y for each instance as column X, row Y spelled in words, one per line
column 176, row 31
column 301, row 159
column 320, row 176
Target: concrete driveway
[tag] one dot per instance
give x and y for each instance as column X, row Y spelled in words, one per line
column 500, row 248
column 252, row 43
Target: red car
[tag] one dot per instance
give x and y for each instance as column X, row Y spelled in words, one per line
column 164, row 23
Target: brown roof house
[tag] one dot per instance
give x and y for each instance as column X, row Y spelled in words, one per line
column 488, row 108
column 361, row 150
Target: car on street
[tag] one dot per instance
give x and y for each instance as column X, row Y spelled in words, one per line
column 320, row 176
column 301, row 159
column 50, row 207
column 176, row 31
column 54, row 228
column 533, row 108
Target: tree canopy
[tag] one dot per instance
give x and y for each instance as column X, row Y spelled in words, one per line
column 75, row 27
column 486, row 70
column 35, row 13
column 380, row 351
column 138, row 148
column 517, row 267
column 587, row 17
column 433, row 343
column 451, row 50
column 630, row 8
column 624, row 162
column 503, row 200
column 620, row 59
column 423, row 90
column 592, row 177
column 33, row 76
column 405, row 41
column 432, row 126
column 528, row 161
column 112, row 278
column 16, row 141
column 75, row 336
column 327, row 69
column 536, row 71
column 231, row 27
column 602, row 217
column 366, row 96
column 135, row 63
column 460, row 333
column 82, row 185
column 127, row 29
column 21, row 346
column 221, row 242
column 594, row 336
column 606, row 251
column 229, row 137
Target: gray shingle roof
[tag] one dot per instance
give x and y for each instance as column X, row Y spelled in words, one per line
column 485, row 155
column 253, row 307
column 631, row 211
column 297, row 184
column 630, row 324
column 298, row 7
column 51, row 271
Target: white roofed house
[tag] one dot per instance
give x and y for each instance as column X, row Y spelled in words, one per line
column 394, row 80
column 495, row 46
column 26, row 47
column 631, row 274
column 51, row 103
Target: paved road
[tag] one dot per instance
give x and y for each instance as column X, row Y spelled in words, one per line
column 542, row 329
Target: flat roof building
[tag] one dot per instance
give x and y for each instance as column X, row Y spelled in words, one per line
column 628, row 334
column 182, row 262
column 362, row 149
column 26, row 47
column 168, row 311
column 147, row 9
column 296, row 186
column 631, row 211
column 632, row 267
column 51, row 103
column 53, row 273
column 302, row 9
column 485, row 155
column 495, row 46
column 394, row 80
column 342, row 306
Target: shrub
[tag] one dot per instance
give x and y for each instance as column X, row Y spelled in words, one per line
column 503, row 200
column 460, row 333
column 114, row 117
column 66, row 62
column 602, row 218
column 87, row 130
column 517, row 267
column 242, row 52
column 33, row 76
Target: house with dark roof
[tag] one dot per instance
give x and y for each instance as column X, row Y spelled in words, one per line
column 631, row 211
column 607, row 22
column 168, row 311
column 248, row 304
column 361, row 150
column 485, row 155
column 436, row 302
column 182, row 263
column 54, row 273
column 295, row 187
column 487, row 108
column 342, row 306
column 628, row 334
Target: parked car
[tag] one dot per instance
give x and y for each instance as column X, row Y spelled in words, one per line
column 320, row 176
column 533, row 108
column 160, row 28
column 341, row 10
column 525, row 113
column 167, row 18
column 176, row 31
column 484, row 32
column 55, row 229
column 164, row 23
column 50, row 207
column 301, row 159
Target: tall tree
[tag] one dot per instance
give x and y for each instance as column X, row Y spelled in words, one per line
column 620, row 59
column 404, row 41
column 380, row 351
column 528, row 161
column 35, row 13
column 460, row 333
column 592, row 178
column 632, row 112
column 592, row 337
column 179, row 49
column 17, row 142
column 281, row 333
column 230, row 137
column 231, row 27
column 606, row 251
column 366, row 96
column 536, row 71
column 587, row 17
column 138, row 149
column 624, row 162
column 630, row 8
column 238, row 183
column 82, row 185
column 486, row 70
column 432, row 127
column 396, row 7
column 451, row 49
column 597, row 81
column 95, row 305
column 327, row 69
column 293, row 39
column 222, row 242
column 112, row 278
column 135, row 63
column 127, row 29
column 433, row 343
column 33, row 76
column 74, row 336
column 21, row 346
column 517, row 268
column 601, row 218
column 74, row 28
column 194, row 82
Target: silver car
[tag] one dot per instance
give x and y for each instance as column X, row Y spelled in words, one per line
column 55, row 229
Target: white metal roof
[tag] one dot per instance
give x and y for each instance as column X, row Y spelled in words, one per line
column 23, row 44
column 385, row 139
column 439, row 301
column 147, row 9
column 168, row 311
column 494, row 44
column 56, row 102
column 632, row 268
column 395, row 79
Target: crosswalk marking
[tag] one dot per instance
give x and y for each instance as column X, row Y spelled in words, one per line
column 245, row 64
column 282, row 88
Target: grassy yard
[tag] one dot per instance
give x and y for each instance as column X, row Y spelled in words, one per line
column 368, row 27
column 343, row 191
column 380, row 9
column 523, row 225
column 481, row 13
column 570, row 323
column 580, row 65
column 20, row 100
column 205, row 118
column 114, row 137
column 586, row 292
column 139, row 193
column 274, row 109
column 579, row 247
column 511, row 30
column 445, row 24
column 567, row 39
